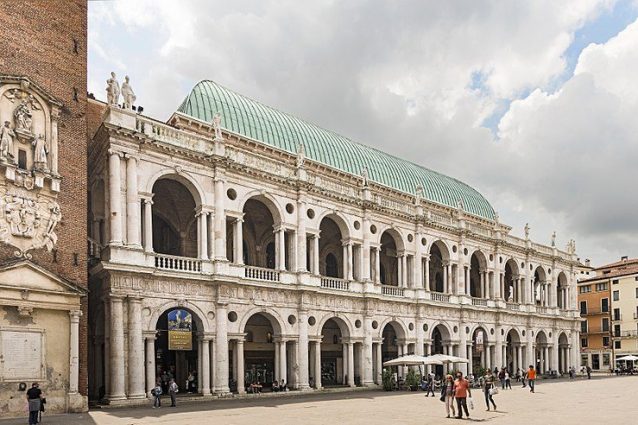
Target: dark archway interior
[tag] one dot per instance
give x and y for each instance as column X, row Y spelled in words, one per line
column 174, row 225
column 258, row 237
column 388, row 269
column 259, row 351
column 436, row 269
column 332, row 372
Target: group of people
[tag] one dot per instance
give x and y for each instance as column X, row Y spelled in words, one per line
column 455, row 391
column 157, row 392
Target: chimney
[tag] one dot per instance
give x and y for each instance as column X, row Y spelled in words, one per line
column 587, row 262
column 624, row 258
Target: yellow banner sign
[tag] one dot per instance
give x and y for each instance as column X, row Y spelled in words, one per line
column 180, row 340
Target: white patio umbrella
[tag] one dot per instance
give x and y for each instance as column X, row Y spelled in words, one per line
column 412, row 360
column 630, row 358
column 445, row 359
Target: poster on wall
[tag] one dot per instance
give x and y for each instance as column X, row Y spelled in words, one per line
column 180, row 328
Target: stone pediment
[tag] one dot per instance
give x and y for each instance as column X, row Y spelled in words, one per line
column 26, row 276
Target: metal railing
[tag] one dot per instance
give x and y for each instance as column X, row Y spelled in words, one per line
column 335, row 283
column 437, row 296
column 394, row 291
column 260, row 273
column 173, row 262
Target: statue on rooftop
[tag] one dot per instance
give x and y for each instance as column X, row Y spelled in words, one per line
column 301, row 155
column 554, row 239
column 364, row 174
column 217, row 126
column 527, row 229
column 128, row 95
column 112, row 90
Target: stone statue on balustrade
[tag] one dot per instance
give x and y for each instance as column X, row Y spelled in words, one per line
column 527, row 229
column 128, row 95
column 217, row 126
column 112, row 90
column 554, row 239
column 6, row 143
column 40, row 152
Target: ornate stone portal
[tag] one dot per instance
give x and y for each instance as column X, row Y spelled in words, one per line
column 29, row 182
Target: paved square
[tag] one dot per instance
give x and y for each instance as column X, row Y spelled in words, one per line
column 603, row 400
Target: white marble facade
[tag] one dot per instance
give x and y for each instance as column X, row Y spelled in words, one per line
column 247, row 238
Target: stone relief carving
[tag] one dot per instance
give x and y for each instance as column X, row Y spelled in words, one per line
column 6, row 143
column 161, row 286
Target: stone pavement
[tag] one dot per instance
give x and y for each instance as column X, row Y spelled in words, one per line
column 609, row 400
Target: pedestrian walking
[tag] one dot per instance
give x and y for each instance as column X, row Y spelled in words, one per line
column 489, row 389
column 447, row 395
column 430, row 386
column 461, row 393
column 508, row 380
column 173, row 389
column 157, row 394
column 34, row 399
column 523, row 377
column 588, row 372
column 531, row 378
column 501, row 378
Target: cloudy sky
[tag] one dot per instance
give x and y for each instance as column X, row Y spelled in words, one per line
column 534, row 103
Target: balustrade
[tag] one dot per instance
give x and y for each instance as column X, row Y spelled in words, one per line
column 334, row 283
column 260, row 273
column 173, row 262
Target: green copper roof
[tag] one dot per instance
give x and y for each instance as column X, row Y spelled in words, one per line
column 252, row 119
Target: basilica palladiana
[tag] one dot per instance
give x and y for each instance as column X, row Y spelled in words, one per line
column 236, row 244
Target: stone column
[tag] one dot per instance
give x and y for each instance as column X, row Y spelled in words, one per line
column 426, row 284
column 150, row 363
column 148, row 225
column 132, row 203
column 239, row 241
column 351, row 364
column 277, row 362
column 220, row 224
column 367, row 378
column 344, row 359
column 115, row 197
column 315, row 255
column 318, row 365
column 135, row 349
column 446, row 277
column 202, row 235
column 221, row 350
column 463, row 352
column 377, row 265
column 346, row 255
column 302, row 350
column 281, row 252
column 204, row 370
column 301, row 236
column 350, row 262
column 74, row 351
column 498, row 350
column 404, row 270
column 379, row 364
column 241, row 387
column 283, row 368
column 488, row 355
column 365, row 247
column 117, row 349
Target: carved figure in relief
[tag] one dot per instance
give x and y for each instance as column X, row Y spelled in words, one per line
column 24, row 115
column 511, row 297
column 128, row 95
column 419, row 193
column 50, row 238
column 217, row 126
column 112, row 90
column 22, row 215
column 6, row 143
column 40, row 152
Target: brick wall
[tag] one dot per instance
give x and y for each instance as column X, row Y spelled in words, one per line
column 47, row 42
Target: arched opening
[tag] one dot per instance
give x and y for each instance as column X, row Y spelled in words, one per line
column 438, row 258
column 260, row 351
column 393, row 346
column 478, row 275
column 389, row 258
column 176, row 349
column 542, row 352
column 511, row 281
column 331, row 258
column 562, row 294
column 174, row 224
column 479, row 349
column 513, row 352
column 334, row 353
column 259, row 240
column 440, row 345
column 541, row 293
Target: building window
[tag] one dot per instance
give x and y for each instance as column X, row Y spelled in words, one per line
column 584, row 360
column 583, row 326
column 605, row 343
column 616, row 295
column 605, row 324
column 583, row 342
column 604, row 305
column 617, row 330
column 636, row 292
column 617, row 315
column 614, row 282
column 606, row 358
column 601, row 286
column 22, row 159
column 617, row 345
column 583, row 307
column 584, row 289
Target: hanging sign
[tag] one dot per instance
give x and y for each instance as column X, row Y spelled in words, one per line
column 478, row 342
column 180, row 330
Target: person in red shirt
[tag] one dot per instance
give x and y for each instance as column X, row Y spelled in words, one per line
column 461, row 393
column 531, row 377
